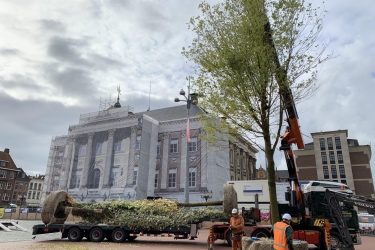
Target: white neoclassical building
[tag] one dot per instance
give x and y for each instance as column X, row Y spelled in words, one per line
column 115, row 154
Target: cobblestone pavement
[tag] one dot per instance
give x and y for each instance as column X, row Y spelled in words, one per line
column 18, row 239
column 18, row 235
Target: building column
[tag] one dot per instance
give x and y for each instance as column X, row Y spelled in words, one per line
column 108, row 159
column 72, row 156
column 203, row 150
column 67, row 164
column 133, row 138
column 183, row 160
column 86, row 167
column 165, row 159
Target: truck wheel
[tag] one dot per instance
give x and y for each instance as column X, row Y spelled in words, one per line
column 261, row 233
column 336, row 241
column 228, row 237
column 118, row 235
column 75, row 234
column 96, row 234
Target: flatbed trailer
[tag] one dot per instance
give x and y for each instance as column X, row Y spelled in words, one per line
column 115, row 233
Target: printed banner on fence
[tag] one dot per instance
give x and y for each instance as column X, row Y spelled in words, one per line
column 2, row 211
column 253, row 189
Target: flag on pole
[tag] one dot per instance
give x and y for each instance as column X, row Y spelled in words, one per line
column 188, row 130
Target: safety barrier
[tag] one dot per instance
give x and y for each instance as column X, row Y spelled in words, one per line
column 367, row 229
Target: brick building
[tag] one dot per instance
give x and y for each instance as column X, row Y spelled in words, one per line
column 21, row 184
column 8, row 174
column 332, row 156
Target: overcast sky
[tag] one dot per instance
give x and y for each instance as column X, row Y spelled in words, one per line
column 59, row 58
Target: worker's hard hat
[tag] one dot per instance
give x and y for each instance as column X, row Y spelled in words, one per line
column 234, row 211
column 287, row 217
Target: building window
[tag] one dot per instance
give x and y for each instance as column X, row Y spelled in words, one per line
column 338, row 142
column 15, row 196
column 325, row 172
column 193, row 144
column 1, row 185
column 33, row 195
column 82, row 150
column 322, row 144
column 5, row 197
column 8, row 186
column 231, row 155
column 96, row 178
column 138, row 143
column 156, row 178
column 77, row 179
column 114, row 177
column 31, row 185
column 16, row 187
column 3, row 163
column 331, row 157
column 35, row 185
column 59, row 158
column 324, row 157
column 158, row 148
column 11, row 175
column 343, row 182
column 340, row 159
column 40, row 186
column 3, row 173
column 29, row 195
column 174, row 146
column 117, row 146
column 330, row 143
column 192, row 177
column 135, row 176
column 98, row 149
column 37, row 195
column 335, row 180
column 21, row 186
column 334, row 171
column 172, row 178
column 342, row 171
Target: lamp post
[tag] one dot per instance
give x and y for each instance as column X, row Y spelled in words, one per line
column 206, row 195
column 191, row 98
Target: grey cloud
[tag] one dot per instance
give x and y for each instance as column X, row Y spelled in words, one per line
column 67, row 50
column 20, row 81
column 9, row 52
column 29, row 127
column 104, row 63
column 71, row 81
column 52, row 25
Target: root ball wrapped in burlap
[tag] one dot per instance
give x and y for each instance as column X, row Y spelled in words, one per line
column 230, row 198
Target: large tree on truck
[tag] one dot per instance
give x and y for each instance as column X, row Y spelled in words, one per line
column 246, row 52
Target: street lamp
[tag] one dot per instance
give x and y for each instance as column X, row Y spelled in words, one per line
column 189, row 99
column 205, row 194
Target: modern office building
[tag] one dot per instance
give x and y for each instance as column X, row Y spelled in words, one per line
column 332, row 156
column 115, row 154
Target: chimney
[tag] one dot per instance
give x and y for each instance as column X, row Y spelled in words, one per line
column 6, row 150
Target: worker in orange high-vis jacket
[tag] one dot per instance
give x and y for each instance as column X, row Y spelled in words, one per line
column 237, row 224
column 283, row 234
